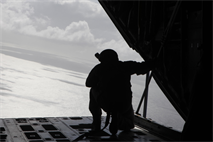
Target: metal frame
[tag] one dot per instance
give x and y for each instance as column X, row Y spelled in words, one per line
column 165, row 133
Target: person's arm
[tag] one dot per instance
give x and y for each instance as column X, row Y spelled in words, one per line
column 140, row 67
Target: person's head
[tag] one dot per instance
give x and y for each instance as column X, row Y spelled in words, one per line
column 107, row 55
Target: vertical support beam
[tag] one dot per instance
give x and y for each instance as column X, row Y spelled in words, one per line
column 143, row 96
column 146, row 96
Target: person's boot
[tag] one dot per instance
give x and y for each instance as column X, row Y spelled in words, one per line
column 113, row 127
column 96, row 125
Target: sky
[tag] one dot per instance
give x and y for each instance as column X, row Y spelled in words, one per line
column 71, row 28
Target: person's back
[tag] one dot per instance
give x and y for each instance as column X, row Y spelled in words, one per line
column 115, row 86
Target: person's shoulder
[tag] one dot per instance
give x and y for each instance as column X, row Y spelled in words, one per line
column 98, row 65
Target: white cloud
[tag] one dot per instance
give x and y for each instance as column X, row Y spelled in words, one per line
column 90, row 9
column 121, row 47
column 17, row 17
column 86, row 8
column 75, row 32
column 86, row 26
column 42, row 21
column 62, row 2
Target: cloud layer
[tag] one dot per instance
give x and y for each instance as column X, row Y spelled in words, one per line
column 17, row 16
column 79, row 22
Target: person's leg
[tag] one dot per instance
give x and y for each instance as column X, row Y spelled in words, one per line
column 126, row 119
column 123, row 121
column 96, row 113
column 113, row 127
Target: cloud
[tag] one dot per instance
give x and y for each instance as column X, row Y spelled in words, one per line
column 85, row 7
column 42, row 21
column 90, row 9
column 17, row 17
column 60, row 23
column 118, row 45
column 75, row 32
column 121, row 47
column 62, row 2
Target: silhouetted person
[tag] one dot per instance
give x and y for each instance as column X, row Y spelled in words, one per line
column 111, row 90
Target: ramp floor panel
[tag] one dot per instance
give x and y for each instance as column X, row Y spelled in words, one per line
column 64, row 129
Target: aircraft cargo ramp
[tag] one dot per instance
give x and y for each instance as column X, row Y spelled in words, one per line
column 63, row 129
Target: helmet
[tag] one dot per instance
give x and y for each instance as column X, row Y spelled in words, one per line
column 108, row 55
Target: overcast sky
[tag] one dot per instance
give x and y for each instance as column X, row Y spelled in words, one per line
column 72, row 28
